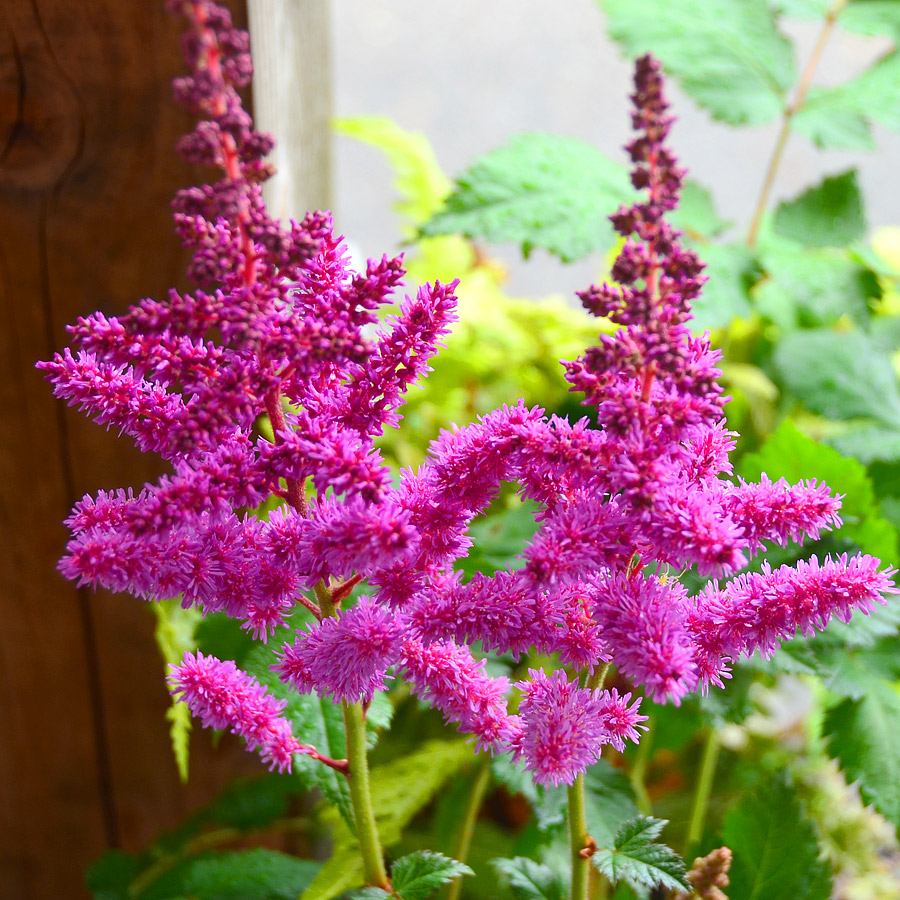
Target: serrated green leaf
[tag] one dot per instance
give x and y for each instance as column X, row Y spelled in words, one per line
column 839, row 375
column 807, row 287
column 637, row 859
column 175, row 635
column 862, row 736
column 399, row 790
column 539, row 190
column 420, row 874
column 836, row 117
column 530, row 880
column 778, row 857
column 827, row 215
column 746, row 66
column 258, row 874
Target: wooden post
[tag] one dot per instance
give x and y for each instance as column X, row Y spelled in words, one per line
column 291, row 47
column 87, row 170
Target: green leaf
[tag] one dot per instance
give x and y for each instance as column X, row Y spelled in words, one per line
column 827, row 215
column 418, row 178
column 840, row 375
column 637, row 859
column 745, row 67
column 872, row 17
column 836, row 117
column 868, row 443
column 540, row 190
column 368, row 893
column 776, row 852
column 862, row 735
column 547, row 803
column 499, row 538
column 175, row 635
column 111, row 875
column 258, row 874
column 420, row 874
column 221, row 636
column 802, row 9
column 696, row 213
column 530, row 880
column 251, row 803
column 400, row 789
column 733, row 270
column 808, row 287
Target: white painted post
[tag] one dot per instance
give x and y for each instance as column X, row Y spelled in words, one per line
column 291, row 45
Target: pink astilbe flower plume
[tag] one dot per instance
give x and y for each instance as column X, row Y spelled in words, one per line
column 223, row 696
column 280, row 328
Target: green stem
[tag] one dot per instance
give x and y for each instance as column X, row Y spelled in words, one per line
column 467, row 830
column 787, row 116
column 578, row 840
column 361, row 797
column 703, row 790
column 639, row 770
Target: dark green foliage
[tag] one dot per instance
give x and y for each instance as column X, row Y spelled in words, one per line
column 530, row 880
column 776, row 854
column 827, row 215
column 862, row 734
column 419, row 875
column 638, row 859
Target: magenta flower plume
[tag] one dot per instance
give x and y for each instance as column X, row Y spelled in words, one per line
column 758, row 611
column 265, row 390
column 564, row 727
column 345, row 656
column 223, row 696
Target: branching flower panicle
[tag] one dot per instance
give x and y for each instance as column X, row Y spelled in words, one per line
column 280, row 327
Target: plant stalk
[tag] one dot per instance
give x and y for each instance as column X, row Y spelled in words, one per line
column 578, row 839
column 703, row 790
column 464, row 838
column 789, row 112
column 361, row 797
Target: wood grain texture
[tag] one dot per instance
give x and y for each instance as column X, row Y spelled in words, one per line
column 87, row 171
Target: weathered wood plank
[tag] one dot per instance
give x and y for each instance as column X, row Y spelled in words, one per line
column 87, row 170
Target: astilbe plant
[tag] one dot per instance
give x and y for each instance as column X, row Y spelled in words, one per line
column 280, row 327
